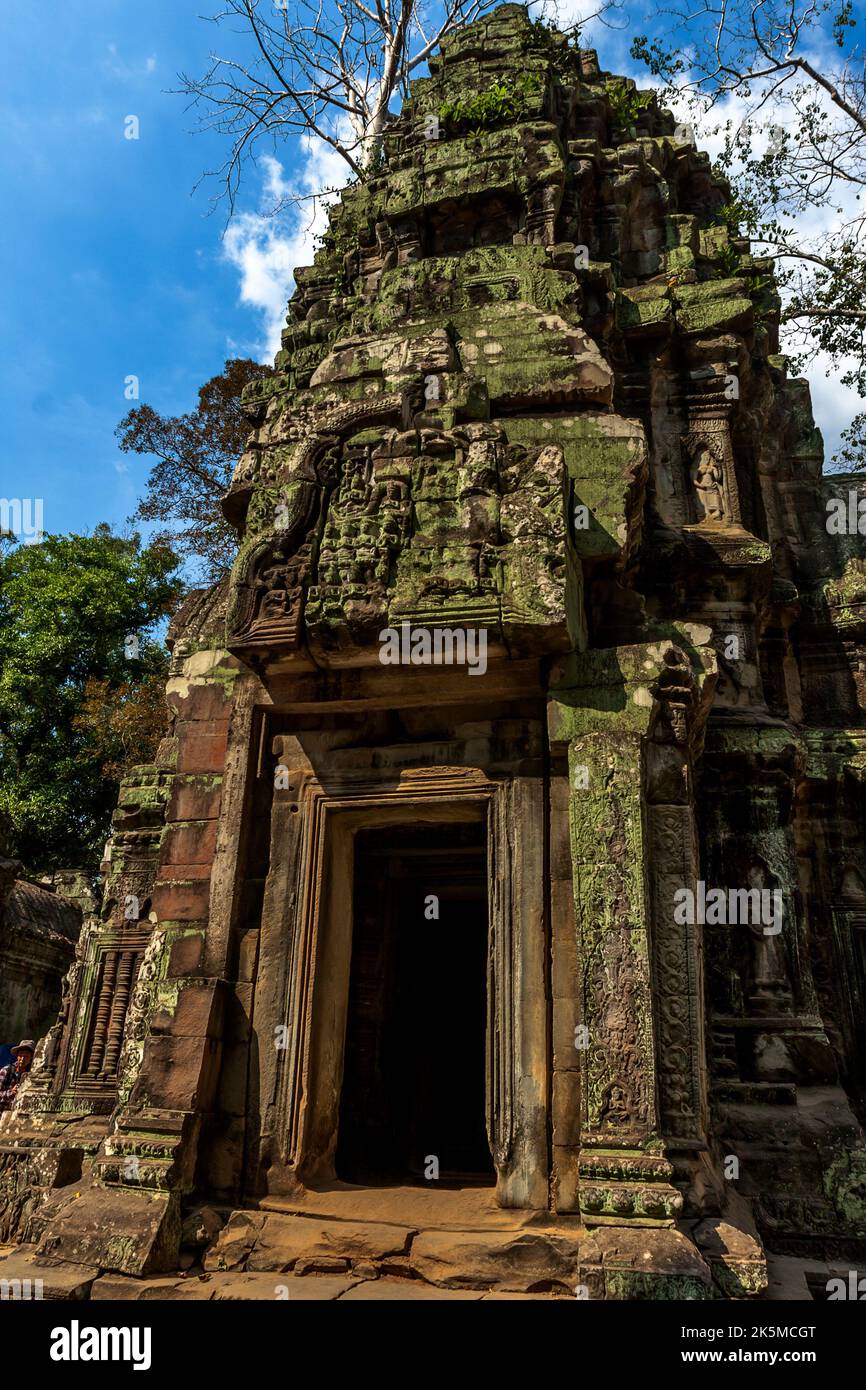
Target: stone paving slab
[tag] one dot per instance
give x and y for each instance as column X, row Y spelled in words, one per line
column 787, row 1278
column 156, row 1287
column 264, row 1241
column 406, row 1291
column 285, row 1239
column 275, row 1288
column 505, row 1261
column 59, row 1281
column 312, row 1288
column 228, row 1287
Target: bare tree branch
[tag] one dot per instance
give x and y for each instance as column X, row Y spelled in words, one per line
column 331, row 70
column 796, row 70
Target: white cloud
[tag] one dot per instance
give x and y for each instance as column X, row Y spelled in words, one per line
column 266, row 246
column 609, row 32
column 124, row 71
column 834, row 404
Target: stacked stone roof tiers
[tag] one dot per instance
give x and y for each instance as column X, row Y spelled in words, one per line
column 37, row 910
column 538, row 265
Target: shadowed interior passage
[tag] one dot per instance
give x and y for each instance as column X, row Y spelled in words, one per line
column 413, row 1081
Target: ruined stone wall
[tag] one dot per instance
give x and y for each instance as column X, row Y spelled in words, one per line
column 39, row 925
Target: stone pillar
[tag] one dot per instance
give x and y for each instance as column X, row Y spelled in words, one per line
column 623, row 1173
column 639, row 1035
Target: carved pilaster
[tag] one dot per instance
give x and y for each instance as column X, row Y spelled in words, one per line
column 623, row 1174
column 633, row 844
column 137, row 1017
column 675, row 729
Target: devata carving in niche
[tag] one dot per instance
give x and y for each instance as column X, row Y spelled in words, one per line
column 708, row 478
column 770, row 978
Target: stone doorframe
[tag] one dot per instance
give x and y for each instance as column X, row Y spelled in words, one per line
column 305, row 960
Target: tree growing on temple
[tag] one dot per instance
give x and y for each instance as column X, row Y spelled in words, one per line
column 194, row 455
column 80, row 664
column 794, row 72
column 291, row 68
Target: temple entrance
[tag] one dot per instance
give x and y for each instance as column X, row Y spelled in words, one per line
column 402, row 967
column 413, row 1092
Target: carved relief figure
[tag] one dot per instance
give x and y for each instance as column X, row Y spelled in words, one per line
column 615, row 1109
column 771, row 982
column 708, row 479
column 675, row 690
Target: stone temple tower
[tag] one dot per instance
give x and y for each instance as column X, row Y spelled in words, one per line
column 507, row 846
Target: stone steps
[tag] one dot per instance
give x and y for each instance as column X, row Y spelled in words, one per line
column 26, row 1277
column 520, row 1259
column 291, row 1288
column 260, row 1255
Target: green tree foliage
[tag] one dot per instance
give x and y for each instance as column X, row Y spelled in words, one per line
column 501, row 102
column 795, row 72
column 195, row 455
column 852, row 455
column 67, row 610
column 126, row 722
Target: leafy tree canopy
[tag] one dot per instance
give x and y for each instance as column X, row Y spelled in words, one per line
column 783, row 83
column 195, row 456
column 76, row 612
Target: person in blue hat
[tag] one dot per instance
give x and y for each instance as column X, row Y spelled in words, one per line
column 15, row 1071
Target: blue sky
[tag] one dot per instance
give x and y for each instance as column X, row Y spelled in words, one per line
column 111, row 266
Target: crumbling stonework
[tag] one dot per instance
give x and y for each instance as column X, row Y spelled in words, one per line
column 39, row 926
column 529, row 389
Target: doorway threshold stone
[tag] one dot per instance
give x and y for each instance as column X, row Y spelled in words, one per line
column 266, row 1241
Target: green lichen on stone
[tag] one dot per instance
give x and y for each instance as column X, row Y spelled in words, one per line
column 655, row 1287
column 845, row 1187
column 712, row 306
column 644, row 306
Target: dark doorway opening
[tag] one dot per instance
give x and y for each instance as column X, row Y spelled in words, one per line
column 414, row 1060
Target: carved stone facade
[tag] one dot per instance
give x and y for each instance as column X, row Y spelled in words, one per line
column 534, row 580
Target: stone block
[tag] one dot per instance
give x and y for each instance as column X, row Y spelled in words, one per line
column 622, row 1262
column 566, row 1108
column 735, row 1257
column 272, row 1241
column 173, row 1070
column 198, row 1013
column 194, row 842
column 186, row 954
column 26, row 1277
column 182, row 900
column 201, row 752
column 194, row 798
column 115, row 1229
column 518, row 1261
column 200, row 702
